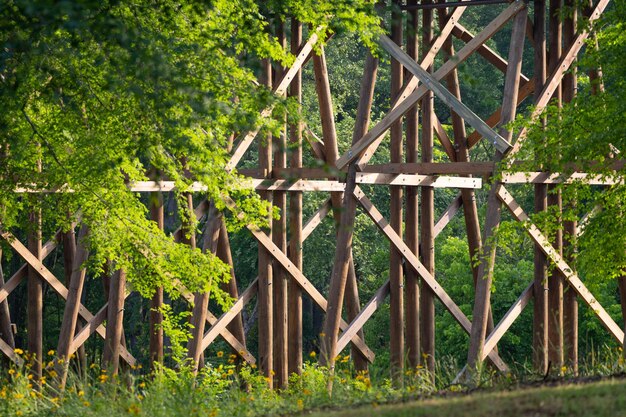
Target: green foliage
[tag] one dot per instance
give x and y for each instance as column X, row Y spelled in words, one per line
column 588, row 135
column 99, row 94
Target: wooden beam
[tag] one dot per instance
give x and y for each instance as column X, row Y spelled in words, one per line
column 294, row 336
column 115, row 324
column 485, row 51
column 49, row 277
column 482, row 303
column 70, row 314
column 444, row 95
column 411, row 96
column 570, row 276
column 561, row 68
column 418, row 267
column 34, row 308
column 280, row 89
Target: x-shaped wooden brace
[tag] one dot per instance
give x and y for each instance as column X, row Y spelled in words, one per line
column 415, row 264
column 15, row 281
column 45, row 274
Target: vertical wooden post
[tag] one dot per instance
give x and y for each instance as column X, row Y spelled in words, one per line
column 279, row 237
column 570, row 300
column 115, row 322
column 341, row 266
column 295, row 220
column 555, row 280
column 6, row 333
column 427, row 221
column 156, row 317
column 540, row 288
column 35, row 297
column 329, row 133
column 72, row 304
column 411, row 285
column 492, row 220
column 69, row 254
column 396, row 279
column 461, row 147
column 201, row 300
column 265, row 297
column 224, row 253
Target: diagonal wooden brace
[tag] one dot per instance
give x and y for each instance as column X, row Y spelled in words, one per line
column 414, row 263
column 568, row 273
column 57, row 285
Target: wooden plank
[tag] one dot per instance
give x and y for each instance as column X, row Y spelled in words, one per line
column 225, row 255
column 294, row 309
column 70, row 313
column 157, row 214
column 6, row 330
column 427, row 218
column 414, row 263
column 222, row 323
column 415, row 180
column 265, row 296
column 485, row 51
column 296, row 274
column 444, row 95
column 359, row 321
column 540, row 263
column 504, row 325
column 34, row 308
column 315, row 219
column 557, row 178
column 280, row 89
column 525, row 90
column 411, row 284
column 396, row 276
column 410, row 97
column 570, row 276
column 412, row 83
column 555, row 79
column 482, row 303
column 434, row 168
column 447, row 215
column 115, row 322
column 219, row 325
column 507, row 321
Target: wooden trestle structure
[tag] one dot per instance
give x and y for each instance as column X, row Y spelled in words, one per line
column 412, row 178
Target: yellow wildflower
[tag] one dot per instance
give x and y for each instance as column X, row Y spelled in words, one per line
column 103, row 378
column 18, row 351
column 12, row 372
column 86, row 403
column 50, row 352
column 312, row 354
column 220, row 354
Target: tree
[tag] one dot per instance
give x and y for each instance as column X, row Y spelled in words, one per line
column 99, row 94
column 589, row 135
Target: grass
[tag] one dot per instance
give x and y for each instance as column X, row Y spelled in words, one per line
column 595, row 399
column 224, row 389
